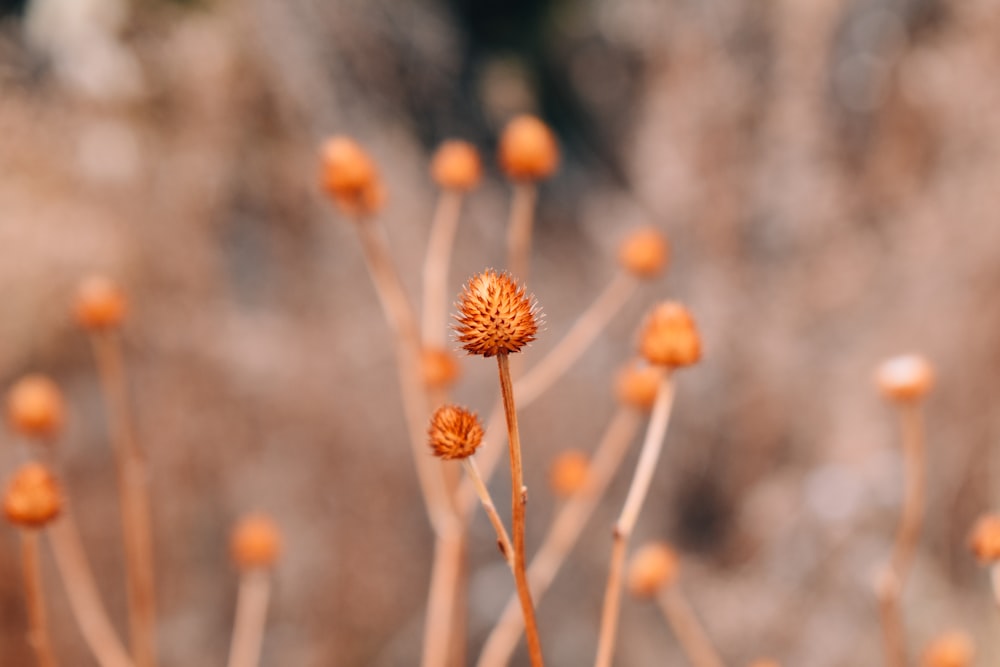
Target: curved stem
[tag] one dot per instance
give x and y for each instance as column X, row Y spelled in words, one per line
column 503, row 541
column 38, row 628
column 689, row 631
column 251, row 617
column 436, row 266
column 522, row 219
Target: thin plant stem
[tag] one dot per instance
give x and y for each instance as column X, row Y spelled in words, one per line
column 995, row 583
column 522, row 219
column 690, row 632
column 84, row 599
column 518, row 500
column 892, row 580
column 133, row 484
column 442, row 597
column 503, row 541
column 38, row 629
column 563, row 534
column 648, row 457
column 251, row 616
column 436, row 263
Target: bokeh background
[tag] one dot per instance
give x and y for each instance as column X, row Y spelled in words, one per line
column 827, row 173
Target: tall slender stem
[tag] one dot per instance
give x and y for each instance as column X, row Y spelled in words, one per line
column 251, row 616
column 38, row 627
column 522, row 219
column 133, row 484
column 648, row 457
column 436, row 266
column 503, row 541
column 518, row 500
column 689, row 630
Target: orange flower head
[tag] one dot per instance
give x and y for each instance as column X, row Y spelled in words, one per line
column 670, row 337
column 644, row 253
column 495, row 315
column 569, row 472
column 350, row 177
column 35, row 407
column 33, row 498
column 440, row 367
column 528, row 149
column 984, row 540
column 653, row 567
column 455, row 433
column 456, row 166
column 905, row 379
column 637, row 385
column 255, row 542
column 100, row 304
column 951, row 649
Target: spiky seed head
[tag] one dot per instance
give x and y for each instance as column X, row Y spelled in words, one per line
column 951, row 649
column 35, row 407
column 456, row 166
column 100, row 304
column 350, row 177
column 528, row 149
column 669, row 336
column 652, row 568
column 984, row 539
column 644, row 253
column 905, row 379
column 440, row 367
column 255, row 542
column 637, row 384
column 454, row 433
column 495, row 315
column 32, row 498
column 569, row 472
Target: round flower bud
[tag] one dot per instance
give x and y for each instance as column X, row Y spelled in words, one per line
column 35, row 407
column 984, row 540
column 669, row 336
column 638, row 384
column 255, row 542
column 653, row 567
column 569, row 473
column 906, row 378
column 439, row 366
column 100, row 304
column 350, row 177
column 644, row 252
column 455, row 433
column 952, row 649
column 33, row 497
column 456, row 166
column 528, row 150
column 495, row 315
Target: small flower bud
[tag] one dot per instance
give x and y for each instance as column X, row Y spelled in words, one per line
column 439, row 366
column 456, row 166
column 495, row 315
column 455, row 433
column 653, row 567
column 33, row 497
column 100, row 304
column 906, row 378
column 637, row 385
column 255, row 542
column 952, row 649
column 350, row 177
column 984, row 540
column 528, row 150
column 670, row 337
column 644, row 253
column 35, row 407
column 569, row 473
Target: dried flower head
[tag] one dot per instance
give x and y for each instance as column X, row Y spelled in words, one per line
column 32, row 498
column 637, row 384
column 350, row 177
column 644, row 252
column 100, row 304
column 905, row 378
column 951, row 649
column 669, row 336
column 255, row 542
column 440, row 367
column 495, row 315
column 455, row 433
column 528, row 149
column 569, row 472
column 35, row 407
column 652, row 568
column 984, row 540
column 456, row 166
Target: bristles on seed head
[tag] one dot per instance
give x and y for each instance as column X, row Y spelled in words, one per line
column 456, row 166
column 35, row 407
column 984, row 540
column 670, row 337
column 495, row 315
column 100, row 304
column 906, row 378
column 644, row 253
column 350, row 177
column 569, row 473
column 653, row 567
column 440, row 367
column 951, row 649
column 33, row 497
column 454, row 433
column 528, row 149
column 637, row 385
column 255, row 542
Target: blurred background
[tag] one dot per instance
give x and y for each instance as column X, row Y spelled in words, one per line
column 827, row 173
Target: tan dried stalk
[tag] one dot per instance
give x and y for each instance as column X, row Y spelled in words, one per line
column 436, row 264
column 689, row 631
column 648, row 457
column 441, row 599
column 133, row 485
column 563, row 534
column 503, row 541
column 38, row 629
column 519, row 229
column 251, row 617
